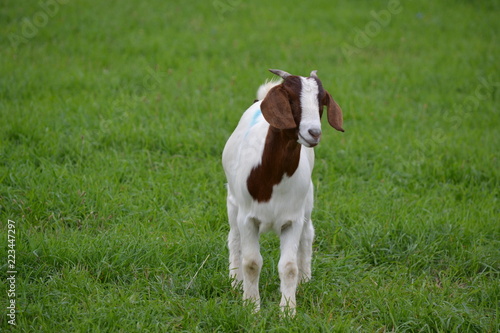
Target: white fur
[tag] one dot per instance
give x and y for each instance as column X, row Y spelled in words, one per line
column 310, row 115
column 264, row 89
column 288, row 212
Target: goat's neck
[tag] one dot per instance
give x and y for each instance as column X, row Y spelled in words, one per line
column 280, row 157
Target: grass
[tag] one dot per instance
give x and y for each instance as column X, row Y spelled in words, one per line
column 113, row 119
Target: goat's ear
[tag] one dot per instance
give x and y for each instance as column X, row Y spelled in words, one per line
column 334, row 112
column 276, row 109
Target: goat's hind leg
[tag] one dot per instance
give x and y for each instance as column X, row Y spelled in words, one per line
column 305, row 250
column 306, row 239
column 251, row 260
column 234, row 243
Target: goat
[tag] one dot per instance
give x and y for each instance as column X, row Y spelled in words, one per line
column 268, row 161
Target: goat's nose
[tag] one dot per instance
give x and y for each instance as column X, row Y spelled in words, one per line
column 315, row 132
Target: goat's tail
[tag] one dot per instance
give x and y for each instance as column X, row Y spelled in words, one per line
column 264, row 89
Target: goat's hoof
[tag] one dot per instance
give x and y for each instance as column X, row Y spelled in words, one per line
column 236, row 284
column 288, row 312
column 305, row 278
column 255, row 304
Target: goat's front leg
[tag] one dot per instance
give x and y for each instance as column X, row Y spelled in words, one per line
column 251, row 260
column 288, row 266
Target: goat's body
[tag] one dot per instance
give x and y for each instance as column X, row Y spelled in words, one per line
column 287, row 213
column 288, row 202
column 268, row 161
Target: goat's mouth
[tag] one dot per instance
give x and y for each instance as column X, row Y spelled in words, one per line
column 307, row 143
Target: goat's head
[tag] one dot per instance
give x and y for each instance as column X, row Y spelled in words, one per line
column 297, row 104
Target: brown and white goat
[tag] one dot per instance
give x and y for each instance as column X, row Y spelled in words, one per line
column 268, row 161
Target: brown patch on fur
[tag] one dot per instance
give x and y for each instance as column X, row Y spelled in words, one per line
column 280, row 157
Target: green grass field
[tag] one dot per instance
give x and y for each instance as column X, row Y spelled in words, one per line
column 113, row 118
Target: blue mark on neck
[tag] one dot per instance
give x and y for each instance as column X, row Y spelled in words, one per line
column 256, row 116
